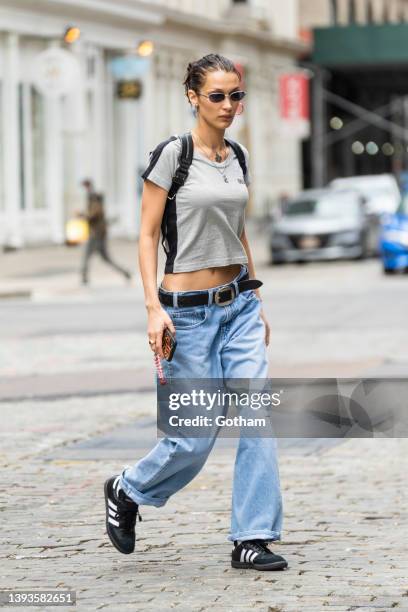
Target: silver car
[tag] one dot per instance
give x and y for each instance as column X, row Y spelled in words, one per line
column 320, row 224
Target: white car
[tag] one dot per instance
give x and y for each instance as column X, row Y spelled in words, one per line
column 381, row 194
column 381, row 191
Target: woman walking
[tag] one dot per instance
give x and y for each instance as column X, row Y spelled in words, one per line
column 208, row 299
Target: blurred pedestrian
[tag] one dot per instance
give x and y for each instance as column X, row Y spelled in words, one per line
column 283, row 201
column 98, row 233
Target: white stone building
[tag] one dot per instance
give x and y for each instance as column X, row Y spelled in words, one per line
column 325, row 12
column 49, row 144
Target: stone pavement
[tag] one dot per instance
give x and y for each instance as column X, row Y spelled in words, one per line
column 345, row 526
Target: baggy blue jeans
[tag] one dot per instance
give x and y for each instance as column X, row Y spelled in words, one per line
column 215, row 341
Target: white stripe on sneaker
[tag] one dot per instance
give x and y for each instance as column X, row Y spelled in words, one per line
column 248, row 555
column 243, row 551
column 116, row 485
column 112, row 505
column 254, row 554
column 111, row 512
column 112, row 520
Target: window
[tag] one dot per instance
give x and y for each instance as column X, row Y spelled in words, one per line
column 37, row 148
column 31, row 147
column 22, row 159
column 2, row 193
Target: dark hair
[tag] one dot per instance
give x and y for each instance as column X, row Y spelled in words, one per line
column 87, row 183
column 196, row 71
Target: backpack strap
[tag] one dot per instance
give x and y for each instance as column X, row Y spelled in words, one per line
column 185, row 159
column 239, row 153
column 155, row 154
column 179, row 178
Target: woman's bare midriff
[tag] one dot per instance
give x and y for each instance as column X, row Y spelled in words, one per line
column 200, row 279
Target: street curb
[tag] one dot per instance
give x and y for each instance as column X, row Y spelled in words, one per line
column 17, row 293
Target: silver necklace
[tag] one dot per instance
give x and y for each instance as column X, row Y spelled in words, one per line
column 218, row 158
column 221, row 171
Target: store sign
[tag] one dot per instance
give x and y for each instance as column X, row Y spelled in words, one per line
column 294, row 105
column 129, row 89
column 129, row 67
column 56, row 72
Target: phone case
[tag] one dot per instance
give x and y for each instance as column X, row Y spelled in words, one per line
column 169, row 344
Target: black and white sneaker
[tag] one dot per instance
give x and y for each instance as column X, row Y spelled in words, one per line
column 255, row 554
column 121, row 512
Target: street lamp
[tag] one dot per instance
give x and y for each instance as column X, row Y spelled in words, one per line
column 145, row 48
column 71, row 34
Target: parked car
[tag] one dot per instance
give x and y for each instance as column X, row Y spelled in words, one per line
column 381, row 191
column 320, row 224
column 394, row 239
column 382, row 195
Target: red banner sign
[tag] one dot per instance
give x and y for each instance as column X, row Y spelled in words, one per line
column 294, row 103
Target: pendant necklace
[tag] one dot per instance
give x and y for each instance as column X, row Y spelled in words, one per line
column 221, row 171
column 218, row 158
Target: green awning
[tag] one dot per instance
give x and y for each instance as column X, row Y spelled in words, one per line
column 361, row 44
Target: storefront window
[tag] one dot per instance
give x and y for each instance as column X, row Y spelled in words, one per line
column 21, row 132
column 37, row 148
column 2, row 194
column 31, row 147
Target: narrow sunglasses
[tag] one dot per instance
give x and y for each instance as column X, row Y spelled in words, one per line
column 216, row 96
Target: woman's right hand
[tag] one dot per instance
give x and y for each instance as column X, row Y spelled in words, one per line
column 158, row 320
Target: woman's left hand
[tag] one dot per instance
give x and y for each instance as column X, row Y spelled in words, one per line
column 267, row 327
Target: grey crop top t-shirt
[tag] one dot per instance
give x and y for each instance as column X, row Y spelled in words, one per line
column 209, row 212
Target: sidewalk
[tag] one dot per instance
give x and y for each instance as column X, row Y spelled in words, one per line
column 42, row 271
column 54, row 270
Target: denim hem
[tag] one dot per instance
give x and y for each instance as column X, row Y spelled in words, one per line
column 140, row 498
column 255, row 535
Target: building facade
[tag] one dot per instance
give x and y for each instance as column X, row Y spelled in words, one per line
column 342, row 12
column 359, row 61
column 49, row 142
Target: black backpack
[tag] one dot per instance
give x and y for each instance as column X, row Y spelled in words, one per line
column 185, row 159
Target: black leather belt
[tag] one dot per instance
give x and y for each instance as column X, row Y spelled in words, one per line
column 222, row 297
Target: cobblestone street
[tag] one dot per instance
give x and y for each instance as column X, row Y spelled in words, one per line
column 346, row 550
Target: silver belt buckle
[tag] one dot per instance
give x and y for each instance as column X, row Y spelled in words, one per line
column 226, row 302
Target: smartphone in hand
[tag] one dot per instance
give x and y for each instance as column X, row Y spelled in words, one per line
column 169, row 344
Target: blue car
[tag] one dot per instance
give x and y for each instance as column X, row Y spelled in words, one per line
column 393, row 243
